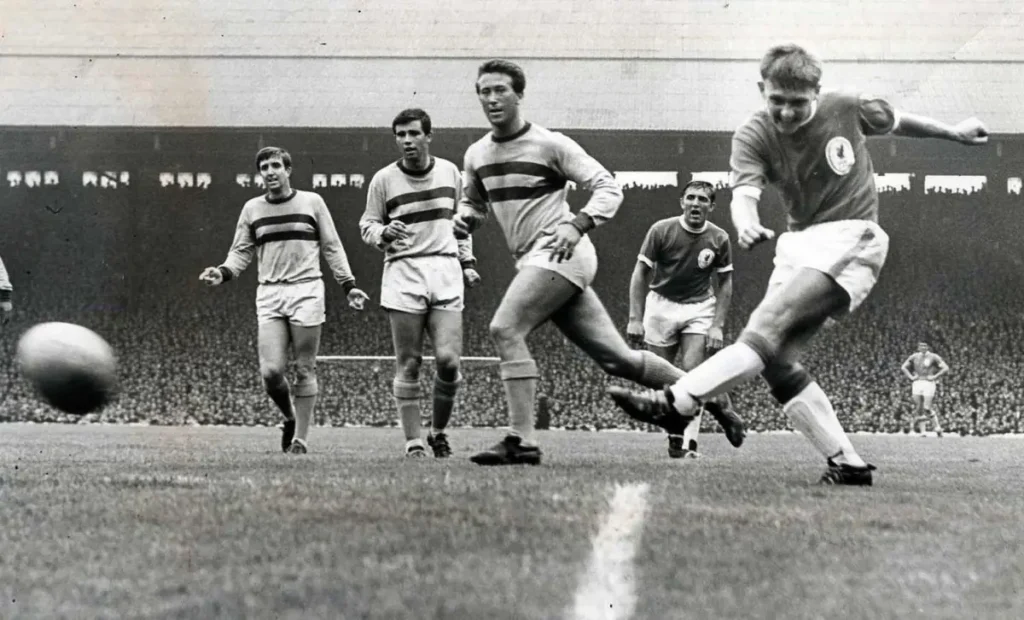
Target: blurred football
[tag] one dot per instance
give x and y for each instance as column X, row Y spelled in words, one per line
column 71, row 367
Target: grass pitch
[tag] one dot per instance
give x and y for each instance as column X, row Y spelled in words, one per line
column 157, row 522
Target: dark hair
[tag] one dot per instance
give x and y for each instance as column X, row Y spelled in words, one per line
column 411, row 115
column 507, row 67
column 273, row 151
column 791, row 66
column 704, row 185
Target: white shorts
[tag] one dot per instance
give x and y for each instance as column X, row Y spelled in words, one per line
column 852, row 252
column 301, row 304
column 665, row 320
column 580, row 269
column 419, row 284
column 923, row 387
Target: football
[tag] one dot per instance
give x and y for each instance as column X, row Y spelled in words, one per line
column 71, row 367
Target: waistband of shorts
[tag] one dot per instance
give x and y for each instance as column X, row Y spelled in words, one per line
column 290, row 282
column 391, row 259
column 710, row 297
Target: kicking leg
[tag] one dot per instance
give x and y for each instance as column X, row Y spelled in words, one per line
column 305, row 344
column 273, row 339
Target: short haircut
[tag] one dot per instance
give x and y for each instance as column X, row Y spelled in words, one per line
column 697, row 184
column 791, row 66
column 273, row 151
column 411, row 115
column 507, row 67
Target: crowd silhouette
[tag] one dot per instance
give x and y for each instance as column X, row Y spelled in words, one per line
column 125, row 263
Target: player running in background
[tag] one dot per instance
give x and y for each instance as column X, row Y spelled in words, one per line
column 673, row 303
column 288, row 230
column 519, row 172
column 924, row 368
column 810, row 145
column 6, row 306
column 409, row 208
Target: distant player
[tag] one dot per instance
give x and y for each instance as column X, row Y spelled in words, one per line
column 810, row 145
column 288, row 230
column 675, row 303
column 6, row 290
column 519, row 173
column 409, row 208
column 924, row 368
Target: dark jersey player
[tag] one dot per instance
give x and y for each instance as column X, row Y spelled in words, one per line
column 811, row 146
column 679, row 297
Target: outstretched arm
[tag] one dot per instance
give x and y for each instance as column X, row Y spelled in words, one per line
column 970, row 131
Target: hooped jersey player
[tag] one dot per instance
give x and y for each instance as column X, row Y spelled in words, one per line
column 424, row 200
column 522, row 179
column 683, row 259
column 287, row 237
column 823, row 172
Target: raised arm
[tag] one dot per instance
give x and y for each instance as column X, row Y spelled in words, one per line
column 906, row 368
column 943, row 368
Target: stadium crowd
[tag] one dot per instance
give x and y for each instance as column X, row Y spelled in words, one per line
column 125, row 263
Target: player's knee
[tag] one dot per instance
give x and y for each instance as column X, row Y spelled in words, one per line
column 518, row 369
column 272, row 374
column 504, row 334
column 786, row 380
column 306, row 385
column 406, row 390
column 407, row 367
column 766, row 343
column 447, row 364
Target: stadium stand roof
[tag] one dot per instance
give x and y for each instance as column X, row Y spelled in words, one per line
column 594, row 64
column 871, row 30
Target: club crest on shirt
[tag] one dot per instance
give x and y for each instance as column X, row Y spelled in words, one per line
column 839, row 153
column 705, row 257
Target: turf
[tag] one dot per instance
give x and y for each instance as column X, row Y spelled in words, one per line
column 156, row 522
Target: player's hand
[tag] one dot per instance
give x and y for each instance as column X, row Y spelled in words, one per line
column 471, row 277
column 462, row 226
column 211, row 276
column 972, row 131
column 564, row 241
column 635, row 333
column 396, row 230
column 357, row 299
column 753, row 235
column 6, row 309
column 714, row 340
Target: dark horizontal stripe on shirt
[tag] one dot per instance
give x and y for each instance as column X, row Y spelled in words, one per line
column 291, row 218
column 428, row 215
column 422, row 196
column 521, row 167
column 501, row 194
column 287, row 235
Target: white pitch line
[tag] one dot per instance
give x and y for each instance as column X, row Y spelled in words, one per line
column 606, row 589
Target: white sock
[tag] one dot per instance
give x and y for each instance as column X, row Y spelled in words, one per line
column 435, row 432
column 692, row 430
column 812, row 414
column 732, row 366
column 523, row 439
column 412, row 443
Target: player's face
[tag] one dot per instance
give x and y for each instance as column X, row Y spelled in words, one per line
column 696, row 206
column 414, row 143
column 788, row 107
column 499, row 101
column 922, row 348
column 276, row 176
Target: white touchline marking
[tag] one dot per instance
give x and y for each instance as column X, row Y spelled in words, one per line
column 606, row 589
